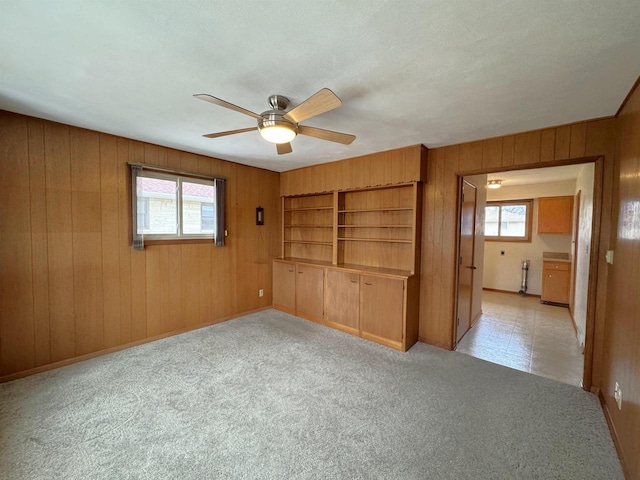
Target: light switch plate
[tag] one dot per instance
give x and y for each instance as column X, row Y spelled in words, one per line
column 609, row 256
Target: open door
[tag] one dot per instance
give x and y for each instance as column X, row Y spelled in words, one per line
column 466, row 267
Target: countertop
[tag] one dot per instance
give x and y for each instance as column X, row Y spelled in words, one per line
column 556, row 257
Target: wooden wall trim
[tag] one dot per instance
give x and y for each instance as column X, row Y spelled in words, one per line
column 594, row 266
column 106, row 351
column 634, row 87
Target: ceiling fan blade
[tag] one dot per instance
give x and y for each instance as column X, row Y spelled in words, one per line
column 284, row 148
column 337, row 137
column 318, row 103
column 230, row 132
column 222, row 103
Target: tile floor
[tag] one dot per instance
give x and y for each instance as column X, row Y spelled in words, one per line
column 521, row 333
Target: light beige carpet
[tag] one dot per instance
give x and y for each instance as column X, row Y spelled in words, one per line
column 272, row 396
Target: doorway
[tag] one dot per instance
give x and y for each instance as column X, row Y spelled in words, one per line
column 526, row 332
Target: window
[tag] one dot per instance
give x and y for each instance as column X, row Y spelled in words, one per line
column 508, row 221
column 170, row 206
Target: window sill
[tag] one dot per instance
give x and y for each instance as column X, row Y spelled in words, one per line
column 507, row 239
column 179, row 241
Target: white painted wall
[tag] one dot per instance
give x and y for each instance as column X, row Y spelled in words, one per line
column 584, row 183
column 504, row 272
column 480, row 181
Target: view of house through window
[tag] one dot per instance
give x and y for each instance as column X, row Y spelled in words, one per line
column 173, row 206
column 508, row 220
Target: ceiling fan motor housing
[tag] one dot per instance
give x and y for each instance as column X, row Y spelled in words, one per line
column 278, row 102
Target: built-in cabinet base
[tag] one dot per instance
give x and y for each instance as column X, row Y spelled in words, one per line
column 377, row 304
column 555, row 282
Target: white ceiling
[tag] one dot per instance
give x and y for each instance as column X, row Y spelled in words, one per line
column 539, row 175
column 408, row 72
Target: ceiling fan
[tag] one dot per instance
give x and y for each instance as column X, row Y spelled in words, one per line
column 279, row 126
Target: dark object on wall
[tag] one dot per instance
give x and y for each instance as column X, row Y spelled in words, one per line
column 259, row 216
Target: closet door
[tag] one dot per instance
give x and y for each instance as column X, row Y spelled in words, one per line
column 284, row 286
column 343, row 299
column 310, row 292
column 382, row 307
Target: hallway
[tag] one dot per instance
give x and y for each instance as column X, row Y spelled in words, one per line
column 521, row 333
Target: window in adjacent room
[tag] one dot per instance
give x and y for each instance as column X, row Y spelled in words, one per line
column 508, row 221
column 171, row 206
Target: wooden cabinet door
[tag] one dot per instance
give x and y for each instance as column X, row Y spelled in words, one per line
column 555, row 282
column 310, row 291
column 343, row 298
column 381, row 306
column 284, row 285
column 555, row 215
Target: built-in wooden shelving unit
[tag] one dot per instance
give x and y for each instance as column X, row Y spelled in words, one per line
column 307, row 209
column 371, row 227
column 308, row 225
column 378, row 226
column 350, row 261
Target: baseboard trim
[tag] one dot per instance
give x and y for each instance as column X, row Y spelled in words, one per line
column 573, row 322
column 614, row 435
column 444, row 346
column 475, row 319
column 284, row 309
column 509, row 291
column 70, row 361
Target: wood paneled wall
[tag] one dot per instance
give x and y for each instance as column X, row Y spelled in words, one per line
column 70, row 283
column 402, row 165
column 621, row 362
column 545, row 147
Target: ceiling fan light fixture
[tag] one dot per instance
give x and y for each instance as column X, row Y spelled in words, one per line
column 277, row 133
column 494, row 184
column 275, row 128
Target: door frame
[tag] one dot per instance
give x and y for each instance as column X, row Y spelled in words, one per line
column 574, row 267
column 461, row 182
column 594, row 252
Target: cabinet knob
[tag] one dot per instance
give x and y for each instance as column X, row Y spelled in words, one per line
column 300, row 273
column 367, row 283
column 549, row 276
column 291, row 270
column 354, row 281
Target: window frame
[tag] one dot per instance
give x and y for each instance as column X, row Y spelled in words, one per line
column 178, row 177
column 528, row 222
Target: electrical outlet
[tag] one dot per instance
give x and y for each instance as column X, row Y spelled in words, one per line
column 617, row 394
column 261, row 293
